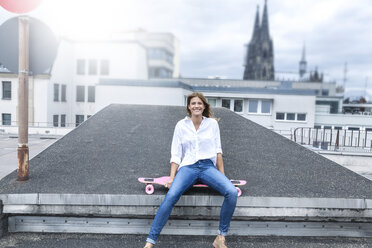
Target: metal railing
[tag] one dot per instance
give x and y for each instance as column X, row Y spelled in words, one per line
column 336, row 140
column 42, row 124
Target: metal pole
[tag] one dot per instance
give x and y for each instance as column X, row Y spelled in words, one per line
column 365, row 139
column 23, row 152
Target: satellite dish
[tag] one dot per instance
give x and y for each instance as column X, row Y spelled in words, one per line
column 42, row 46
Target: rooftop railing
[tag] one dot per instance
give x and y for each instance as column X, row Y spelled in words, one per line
column 41, row 124
column 334, row 139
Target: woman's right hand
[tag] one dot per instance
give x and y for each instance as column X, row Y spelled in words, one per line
column 169, row 183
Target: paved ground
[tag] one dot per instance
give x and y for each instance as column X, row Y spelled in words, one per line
column 108, row 152
column 21, row 240
column 8, row 150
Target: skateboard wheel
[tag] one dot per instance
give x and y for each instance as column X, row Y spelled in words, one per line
column 239, row 191
column 149, row 189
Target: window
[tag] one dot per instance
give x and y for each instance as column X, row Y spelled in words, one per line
column 238, row 105
column 56, row 92
column 80, row 93
column 265, row 107
column 226, row 103
column 301, row 117
column 280, row 116
column 63, row 92
column 7, row 90
column 212, row 102
column 80, row 67
column 291, row 116
column 337, row 128
column 253, row 106
column 91, row 93
column 79, row 119
column 104, row 70
column 63, row 120
column 55, row 120
column 257, row 106
column 325, row 92
column 7, row 119
column 353, row 128
column 264, row 72
column 92, row 67
column 160, row 54
column 159, row 72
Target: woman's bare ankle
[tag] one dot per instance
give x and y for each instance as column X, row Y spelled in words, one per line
column 221, row 237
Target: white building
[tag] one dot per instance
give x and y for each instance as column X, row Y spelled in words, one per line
column 272, row 108
column 37, row 104
column 67, row 96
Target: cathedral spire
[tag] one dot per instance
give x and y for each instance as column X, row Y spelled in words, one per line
column 265, row 23
column 259, row 61
column 256, row 28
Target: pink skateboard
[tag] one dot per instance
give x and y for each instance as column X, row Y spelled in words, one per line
column 162, row 180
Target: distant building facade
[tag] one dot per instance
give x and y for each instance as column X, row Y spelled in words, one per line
column 67, row 96
column 259, row 62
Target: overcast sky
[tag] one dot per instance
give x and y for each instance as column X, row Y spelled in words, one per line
column 213, row 33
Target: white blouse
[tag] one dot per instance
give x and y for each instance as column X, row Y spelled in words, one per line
column 189, row 145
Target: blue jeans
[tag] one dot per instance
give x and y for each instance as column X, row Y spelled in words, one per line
column 186, row 177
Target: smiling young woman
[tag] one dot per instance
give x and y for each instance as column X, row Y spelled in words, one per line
column 196, row 155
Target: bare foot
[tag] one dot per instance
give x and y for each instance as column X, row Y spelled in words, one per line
column 148, row 245
column 220, row 242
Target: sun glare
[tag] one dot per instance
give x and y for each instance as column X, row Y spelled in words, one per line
column 91, row 18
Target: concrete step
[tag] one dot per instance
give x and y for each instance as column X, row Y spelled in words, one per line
column 53, row 224
column 189, row 207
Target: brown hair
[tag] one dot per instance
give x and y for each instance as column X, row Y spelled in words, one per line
column 207, row 111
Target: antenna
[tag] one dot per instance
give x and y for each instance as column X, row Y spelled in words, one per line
column 345, row 76
column 365, row 88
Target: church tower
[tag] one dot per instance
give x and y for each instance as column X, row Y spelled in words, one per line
column 303, row 63
column 259, row 62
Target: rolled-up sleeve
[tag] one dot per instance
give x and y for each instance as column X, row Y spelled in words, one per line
column 217, row 138
column 176, row 149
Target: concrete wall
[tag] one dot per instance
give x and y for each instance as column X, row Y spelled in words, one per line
column 126, row 59
column 43, row 95
column 107, row 94
column 62, row 74
column 346, row 120
column 357, row 162
column 293, row 104
column 9, row 106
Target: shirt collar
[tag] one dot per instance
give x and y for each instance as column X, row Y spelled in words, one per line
column 189, row 119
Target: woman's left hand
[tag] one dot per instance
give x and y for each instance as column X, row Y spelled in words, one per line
column 169, row 183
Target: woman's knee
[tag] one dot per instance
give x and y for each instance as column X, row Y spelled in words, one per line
column 172, row 197
column 231, row 192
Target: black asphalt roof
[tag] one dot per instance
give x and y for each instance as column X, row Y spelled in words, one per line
column 108, row 152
